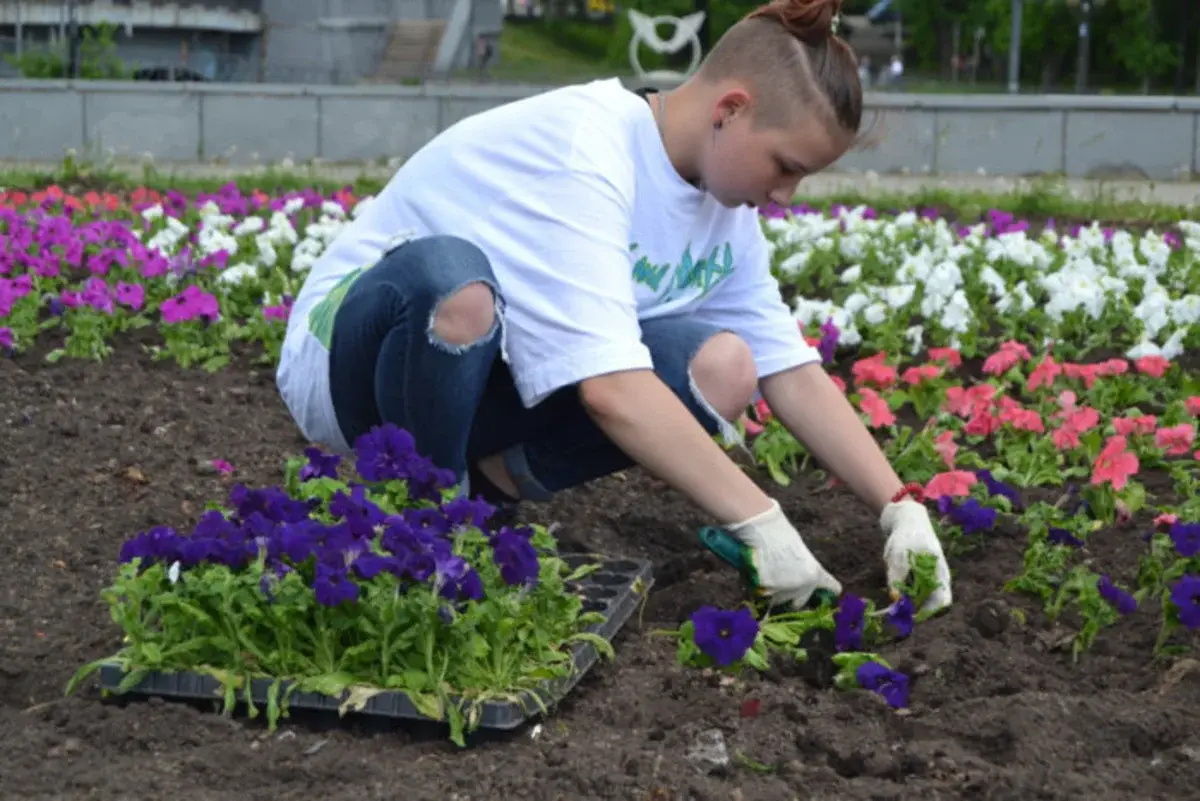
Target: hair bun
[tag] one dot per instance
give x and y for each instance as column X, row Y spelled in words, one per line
column 808, row 20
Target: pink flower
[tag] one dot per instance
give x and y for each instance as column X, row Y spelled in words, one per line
column 1114, row 465
column 1006, row 358
column 945, row 446
column 876, row 408
column 1132, row 426
column 951, row 483
column 1044, row 374
column 1153, row 366
column 872, row 370
column 221, row 466
column 1175, row 440
column 925, row 372
column 948, row 355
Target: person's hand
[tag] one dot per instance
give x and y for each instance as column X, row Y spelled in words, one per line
column 909, row 530
column 781, row 567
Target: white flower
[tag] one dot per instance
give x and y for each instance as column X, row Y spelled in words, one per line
column 250, row 225
column 237, row 274
column 266, row 251
column 875, row 314
column 794, row 264
column 916, row 339
column 956, row 316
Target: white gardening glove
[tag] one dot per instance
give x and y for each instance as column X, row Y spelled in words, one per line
column 780, row 565
column 909, row 529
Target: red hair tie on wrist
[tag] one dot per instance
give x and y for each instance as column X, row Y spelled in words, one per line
column 914, row 491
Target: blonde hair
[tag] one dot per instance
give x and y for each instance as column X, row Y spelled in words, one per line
column 787, row 51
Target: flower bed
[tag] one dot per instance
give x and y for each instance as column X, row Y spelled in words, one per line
column 1037, row 380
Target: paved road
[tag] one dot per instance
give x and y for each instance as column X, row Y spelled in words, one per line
column 1173, row 193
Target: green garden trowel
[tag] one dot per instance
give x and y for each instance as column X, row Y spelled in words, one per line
column 733, row 553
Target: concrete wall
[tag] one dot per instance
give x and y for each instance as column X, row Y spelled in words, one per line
column 341, row 41
column 1093, row 137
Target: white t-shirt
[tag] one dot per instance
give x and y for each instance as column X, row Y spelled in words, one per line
column 588, row 229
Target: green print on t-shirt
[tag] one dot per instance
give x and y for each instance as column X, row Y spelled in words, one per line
column 673, row 280
column 320, row 319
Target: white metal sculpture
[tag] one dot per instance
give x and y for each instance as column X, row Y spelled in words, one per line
column 645, row 31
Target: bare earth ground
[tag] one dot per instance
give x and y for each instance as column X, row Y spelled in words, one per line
column 996, row 714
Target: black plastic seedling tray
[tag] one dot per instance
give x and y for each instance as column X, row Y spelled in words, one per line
column 615, row 590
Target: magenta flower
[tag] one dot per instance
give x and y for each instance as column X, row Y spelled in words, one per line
column 131, row 295
column 278, row 312
column 97, row 295
column 71, row 299
column 190, row 304
column 154, row 264
column 102, row 262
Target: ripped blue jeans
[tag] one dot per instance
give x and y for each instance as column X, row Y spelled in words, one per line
column 459, row 402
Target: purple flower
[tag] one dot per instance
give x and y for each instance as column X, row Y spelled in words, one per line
column 456, row 580
column 900, row 615
column 1060, row 536
column 7, row 341
column 995, row 487
column 829, row 339
column 429, row 522
column 1125, row 603
column 970, row 515
column 159, row 544
column 516, row 556
column 467, row 512
column 385, row 453
column 723, row 635
column 369, row 565
column 320, row 465
column 1186, row 537
column 333, row 586
column 273, row 502
column 848, row 622
column 891, row 685
column 1185, row 594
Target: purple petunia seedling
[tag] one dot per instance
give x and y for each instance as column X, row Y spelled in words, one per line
column 724, row 635
column 1186, row 537
column 319, row 465
column 1125, row 603
column 891, row 685
column 1185, row 595
column 848, row 622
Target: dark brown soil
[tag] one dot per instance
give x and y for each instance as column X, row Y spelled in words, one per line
column 92, row 453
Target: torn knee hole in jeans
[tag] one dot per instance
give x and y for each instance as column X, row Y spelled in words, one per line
column 456, row 348
column 729, row 432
